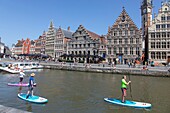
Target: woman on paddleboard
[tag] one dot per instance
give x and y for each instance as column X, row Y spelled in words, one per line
column 31, row 85
column 124, row 87
column 21, row 76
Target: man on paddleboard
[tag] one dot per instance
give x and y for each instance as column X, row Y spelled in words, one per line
column 124, row 87
column 31, row 85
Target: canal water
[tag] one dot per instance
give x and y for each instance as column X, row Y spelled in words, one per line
column 80, row 92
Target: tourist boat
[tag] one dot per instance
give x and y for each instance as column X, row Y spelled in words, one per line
column 22, row 65
column 27, row 65
column 4, row 67
column 36, row 65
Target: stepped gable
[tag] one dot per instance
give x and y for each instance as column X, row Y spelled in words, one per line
column 127, row 20
column 19, row 43
column 92, row 35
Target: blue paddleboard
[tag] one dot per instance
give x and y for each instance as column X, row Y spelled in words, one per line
column 34, row 99
column 128, row 103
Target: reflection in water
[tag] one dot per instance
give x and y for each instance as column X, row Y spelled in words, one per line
column 20, row 89
column 29, row 106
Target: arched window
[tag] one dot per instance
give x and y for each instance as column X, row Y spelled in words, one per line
column 163, row 18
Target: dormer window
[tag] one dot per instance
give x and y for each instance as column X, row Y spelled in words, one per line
column 123, row 18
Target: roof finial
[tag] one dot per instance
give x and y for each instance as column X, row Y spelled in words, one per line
column 123, row 8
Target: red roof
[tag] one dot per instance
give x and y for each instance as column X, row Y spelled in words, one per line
column 93, row 35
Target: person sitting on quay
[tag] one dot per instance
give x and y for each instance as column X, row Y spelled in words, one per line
column 145, row 68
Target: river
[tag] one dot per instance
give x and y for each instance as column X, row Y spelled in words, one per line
column 80, row 92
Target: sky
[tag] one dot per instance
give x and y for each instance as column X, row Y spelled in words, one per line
column 29, row 18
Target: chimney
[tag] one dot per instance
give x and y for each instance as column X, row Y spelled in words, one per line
column 68, row 28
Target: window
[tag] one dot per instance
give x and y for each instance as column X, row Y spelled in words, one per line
column 157, row 26
column 137, row 51
column 158, row 35
column 168, row 25
column 163, row 18
column 158, row 55
column 115, row 33
column 158, row 44
column 120, row 33
column 126, row 25
column 120, row 26
column 109, row 51
column 137, row 40
column 84, row 37
column 125, row 50
column 75, row 52
column 163, row 55
column 126, row 40
column 123, row 33
column 126, row 33
column 120, row 41
column 131, row 32
column 131, row 40
column 115, row 41
column 163, row 44
column 152, row 55
column 152, row 44
column 131, row 50
column 94, row 45
column 168, row 34
column 123, row 18
column 163, row 34
column 152, row 35
column 88, row 52
column 120, row 50
column 76, row 38
column 115, row 50
column 168, row 44
column 168, row 17
column 163, row 26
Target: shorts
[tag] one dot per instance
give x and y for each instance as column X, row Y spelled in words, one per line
column 124, row 91
column 30, row 88
column 21, row 79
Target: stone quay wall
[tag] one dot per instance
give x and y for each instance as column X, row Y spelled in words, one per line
column 109, row 70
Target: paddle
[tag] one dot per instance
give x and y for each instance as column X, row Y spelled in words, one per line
column 130, row 88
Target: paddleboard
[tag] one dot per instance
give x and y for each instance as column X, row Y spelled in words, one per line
column 34, row 99
column 128, row 103
column 19, row 84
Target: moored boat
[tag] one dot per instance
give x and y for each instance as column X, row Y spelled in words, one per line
column 36, row 65
column 6, row 69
